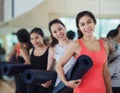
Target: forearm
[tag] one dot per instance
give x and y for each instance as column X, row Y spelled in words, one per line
column 107, row 81
column 61, row 74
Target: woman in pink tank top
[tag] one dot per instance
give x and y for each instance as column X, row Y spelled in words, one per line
column 97, row 79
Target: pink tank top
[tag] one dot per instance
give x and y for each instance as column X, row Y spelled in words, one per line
column 93, row 81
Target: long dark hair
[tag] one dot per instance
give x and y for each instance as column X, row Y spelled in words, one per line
column 79, row 15
column 54, row 40
column 112, row 33
column 40, row 32
column 23, row 35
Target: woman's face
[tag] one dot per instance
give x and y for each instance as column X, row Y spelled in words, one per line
column 36, row 39
column 86, row 25
column 58, row 31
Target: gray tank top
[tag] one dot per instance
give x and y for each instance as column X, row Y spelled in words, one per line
column 59, row 51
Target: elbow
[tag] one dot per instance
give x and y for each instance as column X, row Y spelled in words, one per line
column 58, row 66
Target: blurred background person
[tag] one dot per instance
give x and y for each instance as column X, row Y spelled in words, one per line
column 2, row 53
column 70, row 34
column 114, row 58
column 21, row 51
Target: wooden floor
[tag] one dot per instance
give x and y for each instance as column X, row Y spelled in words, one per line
column 7, row 87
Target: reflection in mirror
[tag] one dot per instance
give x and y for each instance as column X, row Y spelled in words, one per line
column 66, row 10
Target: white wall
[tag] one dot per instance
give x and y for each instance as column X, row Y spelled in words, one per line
column 7, row 10
column 23, row 6
column 18, row 7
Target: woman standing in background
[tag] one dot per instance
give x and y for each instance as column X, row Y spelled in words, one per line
column 21, row 51
column 114, row 58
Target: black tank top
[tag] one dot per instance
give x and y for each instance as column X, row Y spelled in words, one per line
column 39, row 62
column 20, row 59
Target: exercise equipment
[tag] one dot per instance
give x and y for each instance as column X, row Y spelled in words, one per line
column 77, row 71
column 2, row 64
column 38, row 76
column 81, row 67
column 12, row 68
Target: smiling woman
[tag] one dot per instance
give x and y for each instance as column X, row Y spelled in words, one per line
column 46, row 10
column 38, row 13
column 92, row 47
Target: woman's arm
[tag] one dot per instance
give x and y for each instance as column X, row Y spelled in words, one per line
column 25, row 55
column 59, row 67
column 106, row 73
column 111, row 47
column 107, row 79
column 12, row 52
column 50, row 65
column 51, row 60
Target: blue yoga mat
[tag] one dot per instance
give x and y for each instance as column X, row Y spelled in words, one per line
column 2, row 63
column 77, row 71
column 12, row 69
column 38, row 76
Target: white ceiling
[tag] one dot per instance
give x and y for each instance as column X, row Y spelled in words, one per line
column 49, row 9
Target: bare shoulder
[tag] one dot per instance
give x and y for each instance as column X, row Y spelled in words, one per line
column 30, row 51
column 51, row 50
column 23, row 49
column 74, row 43
column 105, row 42
column 74, row 47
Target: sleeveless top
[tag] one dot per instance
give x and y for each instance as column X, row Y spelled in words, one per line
column 59, row 51
column 39, row 62
column 114, row 65
column 92, row 81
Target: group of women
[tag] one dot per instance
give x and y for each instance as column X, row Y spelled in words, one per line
column 61, row 54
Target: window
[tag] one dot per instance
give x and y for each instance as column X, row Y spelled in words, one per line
column 103, row 26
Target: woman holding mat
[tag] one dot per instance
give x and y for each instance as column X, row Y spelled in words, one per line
column 97, row 79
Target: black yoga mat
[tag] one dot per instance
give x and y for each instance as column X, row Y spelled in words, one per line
column 82, row 65
column 77, row 71
column 12, row 69
column 38, row 76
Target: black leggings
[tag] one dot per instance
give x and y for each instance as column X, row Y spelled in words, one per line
column 66, row 90
column 21, row 87
column 116, row 89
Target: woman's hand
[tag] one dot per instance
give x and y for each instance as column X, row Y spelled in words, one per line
column 47, row 84
column 73, row 83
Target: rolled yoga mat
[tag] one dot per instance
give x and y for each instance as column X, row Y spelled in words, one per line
column 82, row 65
column 13, row 69
column 2, row 63
column 77, row 71
column 38, row 76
